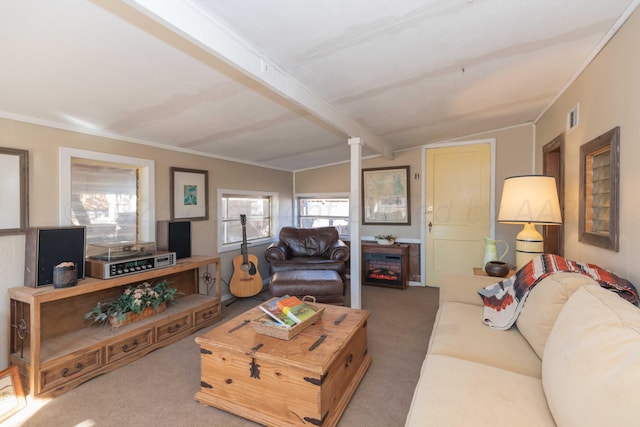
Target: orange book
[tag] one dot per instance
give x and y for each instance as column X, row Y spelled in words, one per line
column 276, row 314
column 295, row 309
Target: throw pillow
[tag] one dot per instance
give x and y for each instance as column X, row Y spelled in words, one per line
column 543, row 305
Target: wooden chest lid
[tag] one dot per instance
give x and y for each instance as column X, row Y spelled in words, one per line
column 313, row 349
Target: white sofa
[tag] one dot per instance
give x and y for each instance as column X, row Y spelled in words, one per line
column 572, row 359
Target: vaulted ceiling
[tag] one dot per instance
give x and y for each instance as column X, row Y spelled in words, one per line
column 285, row 83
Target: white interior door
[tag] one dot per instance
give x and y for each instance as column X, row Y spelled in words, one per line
column 458, row 208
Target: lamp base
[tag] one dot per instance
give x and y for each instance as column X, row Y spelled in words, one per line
column 529, row 244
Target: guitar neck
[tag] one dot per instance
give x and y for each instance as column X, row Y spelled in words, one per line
column 243, row 247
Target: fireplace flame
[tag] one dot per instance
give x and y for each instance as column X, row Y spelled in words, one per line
column 383, row 274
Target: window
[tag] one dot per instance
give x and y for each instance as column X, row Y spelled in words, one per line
column 319, row 211
column 258, row 208
column 110, row 195
column 104, row 198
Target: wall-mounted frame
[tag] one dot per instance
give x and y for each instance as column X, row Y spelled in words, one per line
column 11, row 393
column 189, row 194
column 14, row 191
column 599, row 198
column 386, row 196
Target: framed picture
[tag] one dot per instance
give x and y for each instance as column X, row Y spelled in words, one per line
column 386, row 196
column 189, row 194
column 599, row 198
column 14, row 191
column 11, row 393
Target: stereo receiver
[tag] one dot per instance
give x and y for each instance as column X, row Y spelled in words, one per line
column 121, row 259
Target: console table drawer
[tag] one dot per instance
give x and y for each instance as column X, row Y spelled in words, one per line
column 172, row 327
column 70, row 369
column 127, row 346
column 206, row 315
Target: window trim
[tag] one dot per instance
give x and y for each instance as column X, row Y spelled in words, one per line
column 147, row 186
column 339, row 195
column 227, row 247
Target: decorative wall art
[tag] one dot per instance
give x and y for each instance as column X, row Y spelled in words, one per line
column 14, row 191
column 599, row 198
column 11, row 393
column 386, row 196
column 189, row 194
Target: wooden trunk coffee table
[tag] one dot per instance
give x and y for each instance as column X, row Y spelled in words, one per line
column 307, row 380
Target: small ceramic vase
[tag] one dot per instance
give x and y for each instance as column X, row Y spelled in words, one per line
column 497, row 268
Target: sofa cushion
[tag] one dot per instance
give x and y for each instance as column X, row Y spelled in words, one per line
column 454, row 392
column 459, row 332
column 590, row 366
column 543, row 304
column 463, row 288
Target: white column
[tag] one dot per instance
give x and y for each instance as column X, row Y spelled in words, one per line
column 354, row 222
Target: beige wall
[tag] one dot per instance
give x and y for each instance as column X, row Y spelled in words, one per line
column 43, row 144
column 514, row 156
column 609, row 95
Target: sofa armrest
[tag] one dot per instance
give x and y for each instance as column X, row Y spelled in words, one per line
column 464, row 288
column 339, row 251
column 277, row 251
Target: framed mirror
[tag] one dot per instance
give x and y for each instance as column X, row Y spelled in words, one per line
column 14, row 191
column 599, row 199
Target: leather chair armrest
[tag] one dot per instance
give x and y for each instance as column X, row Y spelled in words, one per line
column 277, row 251
column 339, row 251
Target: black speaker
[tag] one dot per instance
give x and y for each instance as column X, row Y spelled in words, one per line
column 174, row 236
column 47, row 247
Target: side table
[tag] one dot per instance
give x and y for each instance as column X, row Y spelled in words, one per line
column 478, row 271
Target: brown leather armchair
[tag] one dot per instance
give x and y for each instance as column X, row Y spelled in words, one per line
column 308, row 249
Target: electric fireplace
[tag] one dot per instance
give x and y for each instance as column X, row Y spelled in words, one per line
column 385, row 265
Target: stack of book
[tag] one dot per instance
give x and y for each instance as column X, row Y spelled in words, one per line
column 287, row 311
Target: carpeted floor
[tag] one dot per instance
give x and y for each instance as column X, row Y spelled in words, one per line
column 158, row 390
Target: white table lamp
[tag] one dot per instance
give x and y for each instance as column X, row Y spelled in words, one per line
column 529, row 200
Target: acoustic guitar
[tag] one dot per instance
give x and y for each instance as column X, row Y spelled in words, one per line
column 245, row 280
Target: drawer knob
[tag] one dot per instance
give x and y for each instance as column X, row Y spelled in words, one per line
column 126, row 348
column 67, row 372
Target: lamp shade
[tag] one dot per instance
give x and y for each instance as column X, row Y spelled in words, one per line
column 530, row 199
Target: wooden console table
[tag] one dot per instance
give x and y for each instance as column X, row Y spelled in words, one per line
column 56, row 350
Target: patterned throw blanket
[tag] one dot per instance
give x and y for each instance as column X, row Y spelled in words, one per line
column 504, row 300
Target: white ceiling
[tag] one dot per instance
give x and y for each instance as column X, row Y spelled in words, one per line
column 191, row 74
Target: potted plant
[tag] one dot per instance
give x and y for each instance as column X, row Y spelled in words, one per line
column 135, row 303
column 385, row 239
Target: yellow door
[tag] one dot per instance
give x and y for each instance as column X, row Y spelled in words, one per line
column 458, row 209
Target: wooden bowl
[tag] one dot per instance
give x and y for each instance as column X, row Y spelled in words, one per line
column 497, row 268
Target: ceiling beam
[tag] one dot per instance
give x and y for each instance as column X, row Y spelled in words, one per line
column 192, row 23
